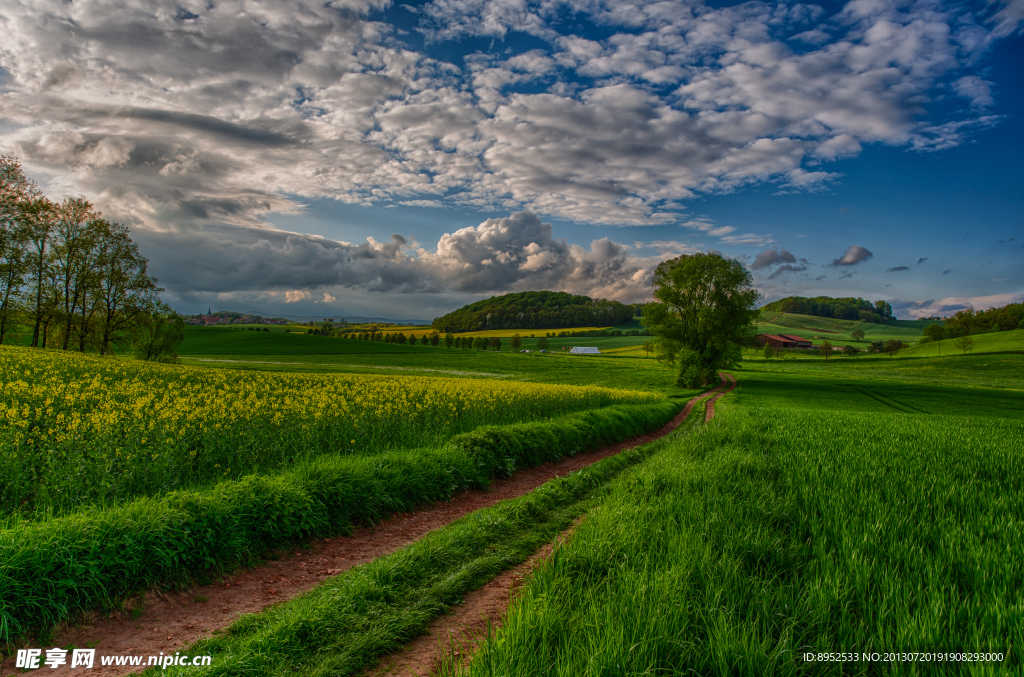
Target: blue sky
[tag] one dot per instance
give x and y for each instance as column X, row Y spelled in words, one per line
column 373, row 158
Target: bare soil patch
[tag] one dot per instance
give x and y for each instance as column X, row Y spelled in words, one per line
column 168, row 621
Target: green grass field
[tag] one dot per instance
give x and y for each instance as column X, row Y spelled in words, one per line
column 865, row 504
column 268, row 351
column 839, row 331
column 857, row 505
column 1003, row 341
column 819, row 513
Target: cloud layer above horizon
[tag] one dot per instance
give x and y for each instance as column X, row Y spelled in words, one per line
column 193, row 121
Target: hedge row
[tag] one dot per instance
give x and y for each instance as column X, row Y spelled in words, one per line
column 50, row 570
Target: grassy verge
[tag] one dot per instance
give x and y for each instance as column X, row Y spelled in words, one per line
column 52, row 569
column 768, row 535
column 346, row 624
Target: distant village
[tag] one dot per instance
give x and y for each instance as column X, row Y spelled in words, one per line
column 229, row 317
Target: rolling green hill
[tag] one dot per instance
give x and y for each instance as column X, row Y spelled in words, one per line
column 839, row 331
column 535, row 310
column 998, row 342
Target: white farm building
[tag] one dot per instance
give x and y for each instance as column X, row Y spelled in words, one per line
column 584, row 351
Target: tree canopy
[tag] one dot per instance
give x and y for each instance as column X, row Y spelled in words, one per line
column 845, row 308
column 535, row 310
column 72, row 279
column 704, row 312
column 970, row 321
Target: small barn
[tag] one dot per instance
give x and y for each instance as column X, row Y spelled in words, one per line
column 783, row 341
column 584, row 351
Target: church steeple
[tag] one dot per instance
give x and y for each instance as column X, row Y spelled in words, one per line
column 209, row 311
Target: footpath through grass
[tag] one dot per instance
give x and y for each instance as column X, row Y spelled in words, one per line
column 821, row 520
column 345, row 625
column 93, row 558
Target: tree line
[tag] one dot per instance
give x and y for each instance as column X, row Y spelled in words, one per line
column 72, row 280
column 536, row 310
column 845, row 308
column 969, row 321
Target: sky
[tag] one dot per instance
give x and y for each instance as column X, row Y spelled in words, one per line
column 401, row 159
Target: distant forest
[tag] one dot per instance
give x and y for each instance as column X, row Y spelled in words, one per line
column 970, row 321
column 840, row 308
column 536, row 310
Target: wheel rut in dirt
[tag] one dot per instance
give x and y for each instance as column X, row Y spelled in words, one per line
column 453, row 638
column 169, row 621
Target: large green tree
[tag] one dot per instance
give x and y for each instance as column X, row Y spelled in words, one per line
column 704, row 312
column 158, row 333
column 15, row 189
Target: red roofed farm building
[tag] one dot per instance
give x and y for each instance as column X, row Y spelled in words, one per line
column 784, row 341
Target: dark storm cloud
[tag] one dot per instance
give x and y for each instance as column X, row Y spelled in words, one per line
column 771, row 256
column 786, row 269
column 922, row 260
column 207, row 123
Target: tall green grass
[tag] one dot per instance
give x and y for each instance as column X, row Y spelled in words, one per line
column 767, row 535
column 51, row 569
column 343, row 626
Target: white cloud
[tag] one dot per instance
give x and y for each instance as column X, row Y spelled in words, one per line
column 853, row 255
column 514, row 253
column 951, row 304
column 178, row 116
column 975, row 90
column 1009, row 18
column 329, row 299
column 436, row 204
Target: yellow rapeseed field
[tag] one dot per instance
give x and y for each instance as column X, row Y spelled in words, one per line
column 82, row 429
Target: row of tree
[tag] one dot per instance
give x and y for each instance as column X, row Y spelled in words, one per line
column 969, row 321
column 434, row 339
column 73, row 280
column 845, row 308
column 536, row 310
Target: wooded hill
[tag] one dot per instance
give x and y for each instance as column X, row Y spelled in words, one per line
column 535, row 310
column 847, row 308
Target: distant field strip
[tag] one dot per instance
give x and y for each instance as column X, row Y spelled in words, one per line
column 361, row 366
column 79, row 430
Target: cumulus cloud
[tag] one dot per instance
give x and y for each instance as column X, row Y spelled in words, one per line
column 896, row 269
column 770, row 257
column 853, row 255
column 514, row 253
column 329, row 299
column 173, row 112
